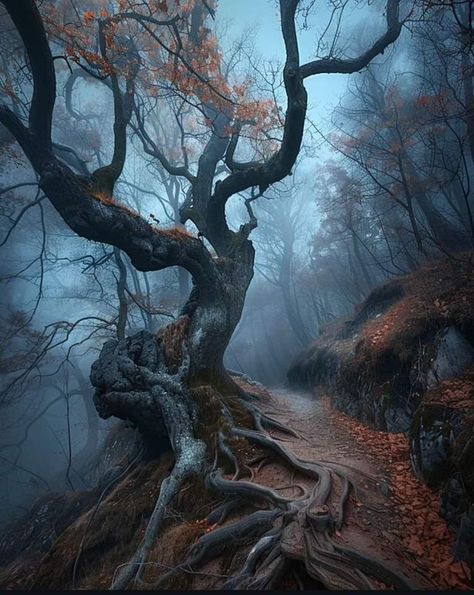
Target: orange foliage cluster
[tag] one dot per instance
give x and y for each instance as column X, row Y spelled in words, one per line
column 422, row 530
column 390, row 133
column 77, row 30
column 109, row 200
column 200, row 76
column 264, row 116
column 79, row 38
column 89, row 17
column 194, row 70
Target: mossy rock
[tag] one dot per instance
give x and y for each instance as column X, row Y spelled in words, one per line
column 393, row 414
column 431, row 440
column 463, row 457
column 464, row 546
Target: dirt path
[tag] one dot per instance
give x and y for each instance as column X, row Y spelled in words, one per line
column 390, row 518
column 381, row 514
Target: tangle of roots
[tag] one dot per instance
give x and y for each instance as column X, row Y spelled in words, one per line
column 283, row 529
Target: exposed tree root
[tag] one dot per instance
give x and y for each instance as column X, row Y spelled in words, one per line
column 261, row 420
column 212, row 544
column 288, row 528
column 247, row 489
column 223, row 511
column 249, row 567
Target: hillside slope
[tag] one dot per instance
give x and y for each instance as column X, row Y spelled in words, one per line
column 404, row 362
column 53, row 550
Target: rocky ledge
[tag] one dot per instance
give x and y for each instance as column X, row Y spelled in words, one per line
column 404, row 362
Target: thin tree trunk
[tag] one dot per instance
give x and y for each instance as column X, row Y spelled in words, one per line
column 468, row 99
column 360, row 260
column 121, row 285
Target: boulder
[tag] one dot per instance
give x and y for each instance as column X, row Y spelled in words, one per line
column 453, row 354
column 404, row 362
column 431, row 443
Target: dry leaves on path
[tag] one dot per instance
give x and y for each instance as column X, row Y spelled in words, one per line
column 421, row 528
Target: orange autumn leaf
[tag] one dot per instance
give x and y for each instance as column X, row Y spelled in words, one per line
column 89, row 17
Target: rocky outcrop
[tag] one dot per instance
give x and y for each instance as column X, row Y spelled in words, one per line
column 442, row 453
column 453, row 355
column 405, row 363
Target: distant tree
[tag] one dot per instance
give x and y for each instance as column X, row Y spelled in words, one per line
column 281, row 223
column 387, row 136
column 154, row 381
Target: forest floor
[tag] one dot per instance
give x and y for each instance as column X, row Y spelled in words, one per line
column 391, row 516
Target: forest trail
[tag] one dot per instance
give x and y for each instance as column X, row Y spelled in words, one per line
column 389, row 509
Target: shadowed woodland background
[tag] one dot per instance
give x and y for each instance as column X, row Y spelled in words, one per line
column 381, row 186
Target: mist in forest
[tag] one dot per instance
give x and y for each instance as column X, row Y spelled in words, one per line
column 381, row 184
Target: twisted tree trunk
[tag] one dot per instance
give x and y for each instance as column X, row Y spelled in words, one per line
column 174, row 384
column 213, row 318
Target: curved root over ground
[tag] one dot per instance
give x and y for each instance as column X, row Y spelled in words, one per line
column 214, row 438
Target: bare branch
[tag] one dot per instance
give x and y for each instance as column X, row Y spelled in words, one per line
column 350, row 65
column 27, row 20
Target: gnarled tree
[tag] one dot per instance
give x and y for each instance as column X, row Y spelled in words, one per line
column 156, row 382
